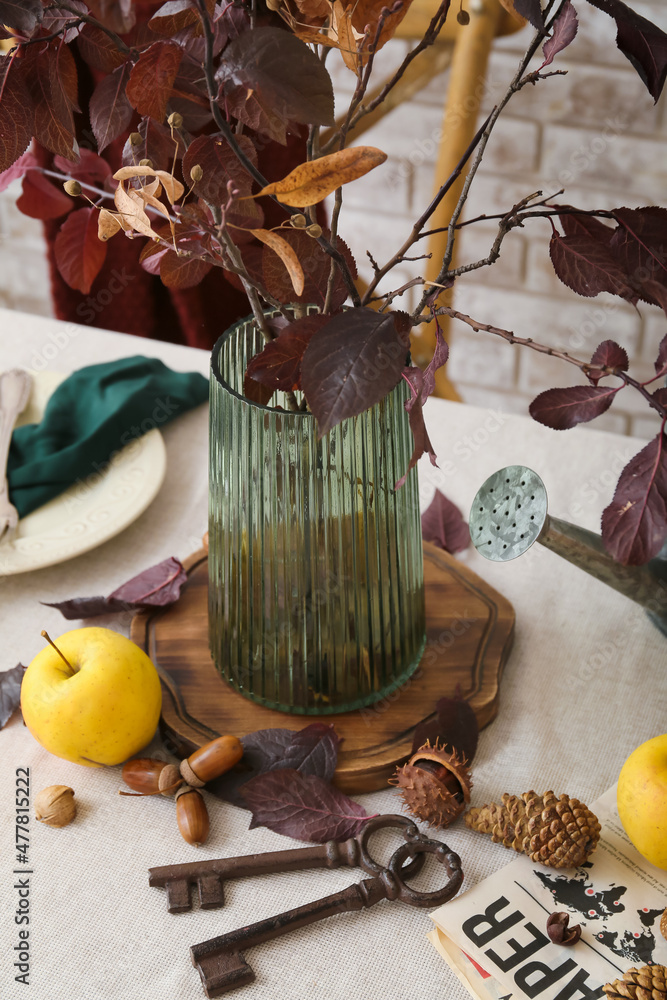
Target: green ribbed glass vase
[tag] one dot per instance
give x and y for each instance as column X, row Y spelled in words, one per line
column 316, row 595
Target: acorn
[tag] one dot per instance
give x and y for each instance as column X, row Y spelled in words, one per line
column 192, row 816
column 434, row 784
column 151, row 777
column 211, row 760
column 556, row 831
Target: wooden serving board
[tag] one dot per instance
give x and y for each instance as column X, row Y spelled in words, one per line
column 469, row 628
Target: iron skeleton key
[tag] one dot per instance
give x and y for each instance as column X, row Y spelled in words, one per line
column 209, row 875
column 221, row 965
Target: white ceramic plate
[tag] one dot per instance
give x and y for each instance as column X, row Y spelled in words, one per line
column 91, row 511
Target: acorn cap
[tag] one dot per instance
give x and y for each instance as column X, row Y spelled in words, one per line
column 556, row 831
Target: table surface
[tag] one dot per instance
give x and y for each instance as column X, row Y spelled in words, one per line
column 584, row 685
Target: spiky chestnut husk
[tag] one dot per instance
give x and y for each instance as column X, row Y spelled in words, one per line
column 647, row 983
column 556, row 831
column 434, row 784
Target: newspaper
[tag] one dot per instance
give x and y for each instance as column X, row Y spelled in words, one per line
column 494, row 936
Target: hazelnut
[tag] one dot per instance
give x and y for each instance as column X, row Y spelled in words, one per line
column 55, row 805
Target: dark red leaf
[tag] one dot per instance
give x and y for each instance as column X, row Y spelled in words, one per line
column 252, row 110
column 634, row 524
column 350, row 364
column 189, row 96
column 52, row 81
column 10, row 692
column 282, row 73
column 443, row 524
column 91, row 168
column 55, row 19
column 152, row 77
column 256, row 392
column 16, row 126
column 316, row 265
column 611, row 355
column 157, row 146
column 304, row 807
column 575, row 225
column 640, row 41
column 156, row 587
column 40, row 199
column 422, row 385
column 110, row 110
column 660, row 396
column 98, row 50
column 21, row 15
column 661, row 360
column 657, row 292
column 79, row 253
column 639, row 245
column 588, row 267
column 313, row 750
column 563, row 33
column 220, row 165
column 454, row 725
column 173, row 16
column 532, row 11
column 278, row 364
column 24, row 163
column 564, row 408
column 182, row 272
column 118, row 15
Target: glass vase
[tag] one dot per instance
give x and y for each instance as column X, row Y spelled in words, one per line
column 316, row 596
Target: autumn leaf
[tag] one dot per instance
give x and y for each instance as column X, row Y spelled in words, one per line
column 577, row 404
column 422, row 385
column 278, row 364
column 640, row 41
column 157, row 145
column 303, row 806
column 98, row 49
column 182, row 272
column 79, row 253
column 172, row 187
column 443, row 524
column 589, row 266
column 634, row 524
column 117, row 15
column 110, row 110
column 316, row 265
column 15, row 117
column 350, row 364
column 454, row 724
column 51, row 78
column 21, row 15
column 311, row 182
column 155, row 587
column 152, row 77
column 220, row 165
column 40, row 199
column 286, row 254
column 563, row 33
column 131, row 207
column 108, row 224
column 10, row 692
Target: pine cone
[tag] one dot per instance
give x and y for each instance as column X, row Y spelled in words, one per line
column 558, row 832
column 647, row 983
column 435, row 785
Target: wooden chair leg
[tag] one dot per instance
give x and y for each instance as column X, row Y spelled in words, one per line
column 464, row 94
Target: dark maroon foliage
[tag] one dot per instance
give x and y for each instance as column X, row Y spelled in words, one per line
column 563, row 33
column 156, row 587
column 641, row 41
column 453, row 724
column 351, row 363
column 302, row 806
column 443, row 524
column 278, row 366
column 312, row 750
column 532, row 11
column 422, row 385
column 10, row 691
column 634, row 524
column 565, row 408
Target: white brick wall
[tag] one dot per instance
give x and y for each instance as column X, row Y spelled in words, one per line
column 595, row 130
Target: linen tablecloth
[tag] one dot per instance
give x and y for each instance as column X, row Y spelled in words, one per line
column 585, row 684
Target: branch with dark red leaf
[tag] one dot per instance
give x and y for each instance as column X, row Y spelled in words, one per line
column 156, row 587
column 640, row 41
column 563, row 33
column 634, row 525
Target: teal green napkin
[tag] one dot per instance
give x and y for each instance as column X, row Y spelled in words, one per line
column 92, row 414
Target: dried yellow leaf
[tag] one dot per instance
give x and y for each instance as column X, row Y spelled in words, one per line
column 286, row 254
column 311, row 182
column 108, row 225
column 173, row 188
column 130, row 206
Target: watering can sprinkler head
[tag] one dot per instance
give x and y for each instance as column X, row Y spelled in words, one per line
column 509, row 514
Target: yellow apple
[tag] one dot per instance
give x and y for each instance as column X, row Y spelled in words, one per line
column 642, row 799
column 101, row 706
